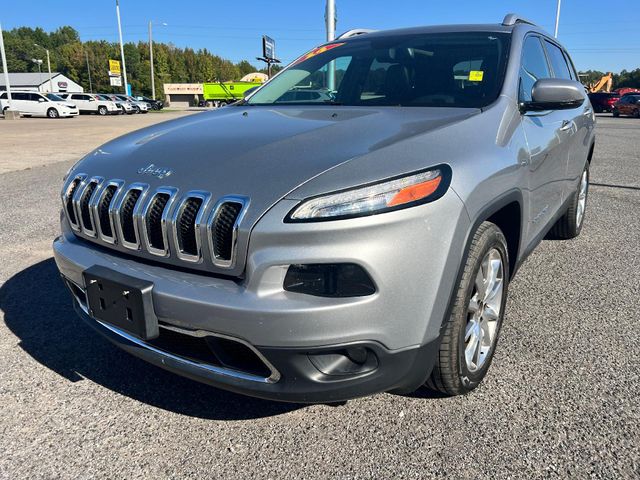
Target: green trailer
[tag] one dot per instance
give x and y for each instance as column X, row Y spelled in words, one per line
column 223, row 93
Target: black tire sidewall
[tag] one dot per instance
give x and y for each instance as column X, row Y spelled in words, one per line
column 102, row 111
column 55, row 115
column 496, row 239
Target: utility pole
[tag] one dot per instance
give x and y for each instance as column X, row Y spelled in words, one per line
column 48, row 65
column 557, row 18
column 86, row 54
column 4, row 68
column 330, row 21
column 124, row 67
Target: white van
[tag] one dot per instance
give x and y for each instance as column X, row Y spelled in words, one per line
column 34, row 104
column 90, row 103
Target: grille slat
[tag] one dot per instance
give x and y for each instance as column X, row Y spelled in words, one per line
column 85, row 212
column 126, row 216
column 224, row 229
column 154, row 221
column 103, row 211
column 186, row 226
column 71, row 213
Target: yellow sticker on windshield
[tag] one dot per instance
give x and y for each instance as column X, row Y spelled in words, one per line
column 476, row 75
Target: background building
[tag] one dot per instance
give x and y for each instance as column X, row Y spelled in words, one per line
column 39, row 82
column 182, row 95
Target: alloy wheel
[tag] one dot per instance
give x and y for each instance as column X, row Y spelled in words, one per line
column 484, row 311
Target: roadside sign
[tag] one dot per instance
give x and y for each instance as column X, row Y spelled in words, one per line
column 115, row 81
column 114, row 68
column 268, row 47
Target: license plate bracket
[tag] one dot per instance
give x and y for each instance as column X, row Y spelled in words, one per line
column 122, row 301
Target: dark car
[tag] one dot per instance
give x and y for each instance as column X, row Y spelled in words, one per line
column 627, row 105
column 154, row 104
column 603, row 101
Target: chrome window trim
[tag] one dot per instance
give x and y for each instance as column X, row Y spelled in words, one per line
column 142, row 188
column 205, row 197
column 227, row 372
column 173, row 194
column 90, row 232
column 211, row 224
column 112, row 240
column 65, row 198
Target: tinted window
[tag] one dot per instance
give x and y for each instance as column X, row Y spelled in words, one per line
column 3, row 96
column 20, row 96
column 436, row 70
column 534, row 67
column 558, row 63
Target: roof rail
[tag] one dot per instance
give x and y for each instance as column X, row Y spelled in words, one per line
column 355, row 32
column 511, row 19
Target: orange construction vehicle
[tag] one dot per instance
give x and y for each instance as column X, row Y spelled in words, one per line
column 603, row 85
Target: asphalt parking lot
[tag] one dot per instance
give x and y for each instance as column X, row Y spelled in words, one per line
column 560, row 399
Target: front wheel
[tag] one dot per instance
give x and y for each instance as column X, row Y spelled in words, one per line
column 615, row 113
column 53, row 113
column 636, row 113
column 570, row 224
column 102, row 111
column 471, row 331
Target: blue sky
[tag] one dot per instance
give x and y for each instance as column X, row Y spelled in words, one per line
column 599, row 35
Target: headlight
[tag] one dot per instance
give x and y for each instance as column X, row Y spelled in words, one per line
column 385, row 196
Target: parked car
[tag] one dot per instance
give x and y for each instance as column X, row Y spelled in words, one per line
column 90, row 103
column 154, row 104
column 35, row 104
column 139, row 107
column 627, row 105
column 125, row 106
column 328, row 250
column 603, row 101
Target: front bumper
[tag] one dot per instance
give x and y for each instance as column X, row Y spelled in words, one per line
column 414, row 264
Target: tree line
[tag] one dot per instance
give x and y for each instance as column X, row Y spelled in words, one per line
column 624, row 79
column 75, row 59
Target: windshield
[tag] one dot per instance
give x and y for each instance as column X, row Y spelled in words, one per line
column 54, row 98
column 435, row 70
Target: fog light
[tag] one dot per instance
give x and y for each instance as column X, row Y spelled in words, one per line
column 349, row 361
column 329, row 280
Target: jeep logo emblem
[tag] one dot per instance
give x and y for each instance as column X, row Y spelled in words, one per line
column 151, row 169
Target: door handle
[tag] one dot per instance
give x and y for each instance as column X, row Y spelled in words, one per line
column 566, row 125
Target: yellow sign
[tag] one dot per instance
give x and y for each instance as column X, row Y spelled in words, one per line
column 114, row 67
column 476, row 75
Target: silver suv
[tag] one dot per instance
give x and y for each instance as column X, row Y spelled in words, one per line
column 332, row 246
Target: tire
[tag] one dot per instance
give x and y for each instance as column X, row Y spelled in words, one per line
column 4, row 110
column 636, row 113
column 53, row 113
column 615, row 113
column 460, row 367
column 570, row 224
column 102, row 111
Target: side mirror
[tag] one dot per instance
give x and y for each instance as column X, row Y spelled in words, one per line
column 554, row 94
column 40, row 99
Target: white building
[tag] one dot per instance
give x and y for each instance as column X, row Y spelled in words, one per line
column 39, row 82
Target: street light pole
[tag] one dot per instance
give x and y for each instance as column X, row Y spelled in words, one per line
column 48, row 66
column 153, row 80
column 124, row 67
column 86, row 54
column 4, row 68
column 557, row 18
column 330, row 20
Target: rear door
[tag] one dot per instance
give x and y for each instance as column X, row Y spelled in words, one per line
column 546, row 133
column 579, row 118
column 81, row 101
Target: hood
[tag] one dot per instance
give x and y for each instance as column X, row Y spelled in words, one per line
column 260, row 152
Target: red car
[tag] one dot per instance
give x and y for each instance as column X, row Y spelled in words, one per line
column 603, row 101
column 627, row 105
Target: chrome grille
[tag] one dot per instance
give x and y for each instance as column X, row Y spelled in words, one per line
column 162, row 222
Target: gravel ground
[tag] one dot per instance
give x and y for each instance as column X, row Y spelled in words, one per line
column 560, row 399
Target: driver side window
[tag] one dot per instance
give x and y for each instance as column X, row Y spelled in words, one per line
column 533, row 67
